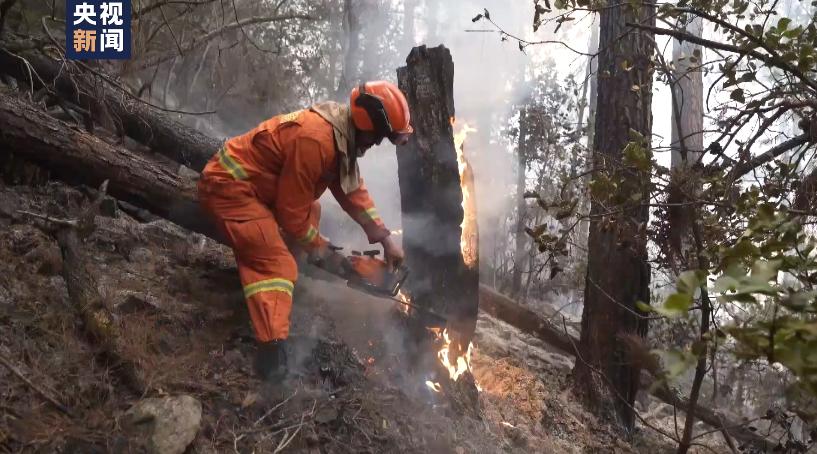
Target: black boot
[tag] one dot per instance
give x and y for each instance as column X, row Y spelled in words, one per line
column 271, row 361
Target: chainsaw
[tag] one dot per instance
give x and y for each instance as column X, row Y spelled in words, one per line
column 365, row 272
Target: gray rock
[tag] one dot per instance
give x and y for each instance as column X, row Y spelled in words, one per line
column 165, row 425
column 188, row 173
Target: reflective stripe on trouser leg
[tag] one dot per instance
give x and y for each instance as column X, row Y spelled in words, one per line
column 269, row 312
column 268, row 273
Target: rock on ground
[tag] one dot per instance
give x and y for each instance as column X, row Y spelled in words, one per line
column 164, row 425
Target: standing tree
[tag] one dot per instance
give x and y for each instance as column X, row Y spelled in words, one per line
column 520, row 238
column 617, row 272
column 687, row 145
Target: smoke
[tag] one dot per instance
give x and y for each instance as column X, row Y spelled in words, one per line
column 490, row 75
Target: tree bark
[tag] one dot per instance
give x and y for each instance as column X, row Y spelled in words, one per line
column 144, row 124
column 617, row 271
column 431, row 195
column 77, row 157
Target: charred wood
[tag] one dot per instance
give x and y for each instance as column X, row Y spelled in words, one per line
column 431, row 195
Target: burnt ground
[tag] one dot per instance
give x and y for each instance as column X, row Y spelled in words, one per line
column 179, row 306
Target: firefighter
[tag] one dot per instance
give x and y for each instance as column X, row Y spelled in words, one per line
column 261, row 189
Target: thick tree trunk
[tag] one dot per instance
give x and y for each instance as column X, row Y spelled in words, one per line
column 139, row 121
column 431, row 195
column 80, row 158
column 617, row 271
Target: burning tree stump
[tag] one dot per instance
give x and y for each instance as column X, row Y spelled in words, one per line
column 436, row 189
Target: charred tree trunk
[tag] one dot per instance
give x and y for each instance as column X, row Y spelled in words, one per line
column 617, row 271
column 137, row 120
column 442, row 278
column 77, row 157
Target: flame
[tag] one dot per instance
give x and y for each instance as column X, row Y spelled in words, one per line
column 404, row 308
column 397, row 232
column 434, row 386
column 468, row 239
column 461, row 364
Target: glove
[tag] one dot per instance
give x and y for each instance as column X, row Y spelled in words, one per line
column 393, row 252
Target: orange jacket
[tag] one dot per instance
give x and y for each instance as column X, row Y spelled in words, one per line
column 288, row 162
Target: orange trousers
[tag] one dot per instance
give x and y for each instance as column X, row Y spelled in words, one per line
column 266, row 267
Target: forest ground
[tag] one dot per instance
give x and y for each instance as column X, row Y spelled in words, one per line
column 180, row 307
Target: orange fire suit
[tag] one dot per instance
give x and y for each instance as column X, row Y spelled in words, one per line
column 263, row 186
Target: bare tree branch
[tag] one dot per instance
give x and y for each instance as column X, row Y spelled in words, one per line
column 150, row 62
column 149, row 8
column 742, row 169
column 771, row 60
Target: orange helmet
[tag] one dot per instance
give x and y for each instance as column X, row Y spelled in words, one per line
column 381, row 107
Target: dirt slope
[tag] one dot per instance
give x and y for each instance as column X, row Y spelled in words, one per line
column 178, row 302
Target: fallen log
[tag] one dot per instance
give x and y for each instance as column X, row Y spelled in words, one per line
column 510, row 312
column 23, row 60
column 98, row 321
column 503, row 308
column 77, row 157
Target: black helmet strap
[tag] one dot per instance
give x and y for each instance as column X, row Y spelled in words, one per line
column 377, row 112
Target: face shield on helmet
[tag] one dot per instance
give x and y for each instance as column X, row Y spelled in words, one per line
column 381, row 108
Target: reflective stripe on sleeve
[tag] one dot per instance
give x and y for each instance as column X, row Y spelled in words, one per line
column 269, row 285
column 310, row 235
column 368, row 215
column 231, row 165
